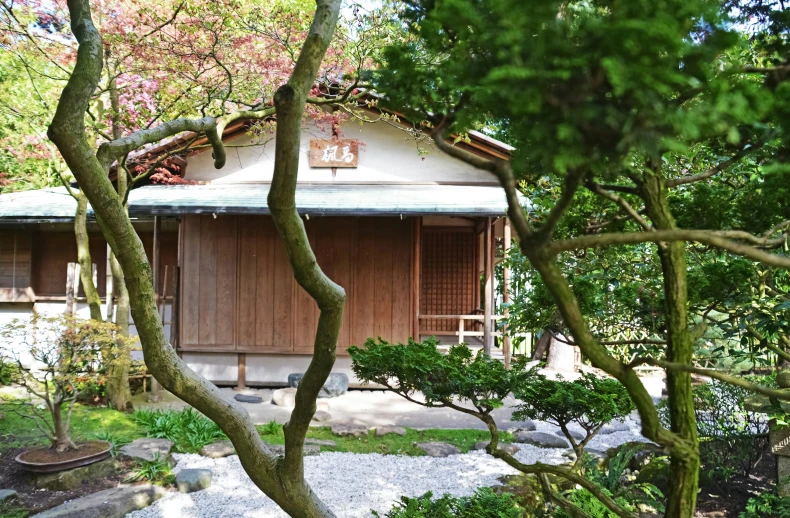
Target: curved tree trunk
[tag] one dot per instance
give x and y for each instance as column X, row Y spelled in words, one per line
column 118, row 391
column 84, row 256
column 281, row 479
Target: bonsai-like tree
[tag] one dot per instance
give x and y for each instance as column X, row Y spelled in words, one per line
column 589, row 402
column 52, row 354
column 478, row 384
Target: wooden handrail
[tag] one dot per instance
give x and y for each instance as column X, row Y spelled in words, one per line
column 461, row 317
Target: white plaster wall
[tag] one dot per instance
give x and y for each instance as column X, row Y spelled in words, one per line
column 213, row 366
column 387, row 155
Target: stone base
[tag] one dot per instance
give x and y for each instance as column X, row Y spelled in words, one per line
column 69, row 479
column 783, row 475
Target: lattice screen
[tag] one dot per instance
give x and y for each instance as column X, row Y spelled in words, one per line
column 447, row 275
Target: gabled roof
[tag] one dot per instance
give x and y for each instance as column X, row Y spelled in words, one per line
column 311, row 199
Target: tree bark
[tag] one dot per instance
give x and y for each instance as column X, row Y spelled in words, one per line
column 684, row 482
column 280, row 479
column 84, row 256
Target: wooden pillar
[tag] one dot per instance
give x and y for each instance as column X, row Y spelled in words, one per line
column 506, row 293
column 416, row 267
column 109, row 288
column 488, row 268
column 241, row 379
column 155, row 387
column 72, row 275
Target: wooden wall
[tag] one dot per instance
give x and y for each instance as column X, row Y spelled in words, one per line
column 238, row 290
column 15, row 259
column 448, row 280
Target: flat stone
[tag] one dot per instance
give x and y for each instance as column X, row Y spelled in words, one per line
column 321, row 442
column 146, row 449
column 71, row 478
column 321, row 415
column 512, row 449
column 349, row 428
column 308, row 450
column 7, row 494
column 438, row 449
column 248, row 398
column 541, row 440
column 384, row 430
column 286, row 398
column 191, row 480
column 614, row 426
column 110, row 503
column 335, row 385
column 218, row 450
column 574, row 433
column 526, row 426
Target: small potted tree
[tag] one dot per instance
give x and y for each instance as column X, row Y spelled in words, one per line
column 52, row 354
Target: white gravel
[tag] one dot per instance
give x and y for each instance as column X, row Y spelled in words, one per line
column 353, row 484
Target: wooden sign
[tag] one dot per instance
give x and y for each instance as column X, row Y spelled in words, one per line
column 334, row 153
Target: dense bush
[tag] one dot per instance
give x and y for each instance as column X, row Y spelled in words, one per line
column 732, row 436
column 767, row 505
column 483, row 504
column 189, row 430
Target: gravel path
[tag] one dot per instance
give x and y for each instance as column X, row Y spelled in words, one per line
column 353, row 484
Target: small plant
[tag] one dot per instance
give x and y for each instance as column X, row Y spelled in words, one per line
column 767, row 505
column 188, row 429
column 157, row 471
column 111, row 438
column 483, row 504
column 11, row 509
column 271, row 428
column 615, row 481
column 52, row 355
column 8, row 372
column 589, row 402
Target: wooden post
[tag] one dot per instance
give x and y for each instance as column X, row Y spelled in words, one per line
column 489, row 288
column 461, row 330
column 70, row 268
column 155, row 387
column 416, row 267
column 174, row 308
column 109, row 287
column 506, row 293
column 241, row 383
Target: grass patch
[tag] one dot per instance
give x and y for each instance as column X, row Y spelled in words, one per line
column 12, row 510
column 190, row 430
column 464, row 440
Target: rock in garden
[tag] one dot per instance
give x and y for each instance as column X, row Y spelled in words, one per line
column 321, row 416
column 574, row 433
column 384, row 430
column 526, row 426
column 146, row 449
column 336, row 384
column 541, row 440
column 218, row 450
column 307, row 451
column 438, row 449
column 614, row 426
column 286, row 398
column 248, row 398
column 191, row 480
column 110, row 503
column 512, row 449
column 7, row 494
column 321, row 442
column 349, row 428
column 71, row 478
column 153, row 398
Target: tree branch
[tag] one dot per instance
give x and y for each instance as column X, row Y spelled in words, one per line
column 599, row 190
column 674, row 182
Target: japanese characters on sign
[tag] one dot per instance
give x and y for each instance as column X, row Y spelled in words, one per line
column 334, row 153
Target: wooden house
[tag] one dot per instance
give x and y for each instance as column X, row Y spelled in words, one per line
column 412, row 238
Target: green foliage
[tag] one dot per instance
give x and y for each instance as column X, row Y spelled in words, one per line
column 113, row 438
column 157, row 471
column 12, row 509
column 420, row 367
column 767, row 505
column 189, row 430
column 614, row 480
column 589, row 401
column 483, row 504
column 8, row 371
column 271, row 428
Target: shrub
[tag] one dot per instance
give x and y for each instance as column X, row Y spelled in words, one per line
column 157, row 471
column 8, row 372
column 483, row 504
column 767, row 505
column 189, row 430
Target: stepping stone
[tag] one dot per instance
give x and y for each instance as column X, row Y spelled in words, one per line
column 575, row 434
column 505, row 447
column 308, row 450
column 218, row 450
column 335, row 385
column 321, row 442
column 526, row 426
column 614, row 426
column 248, row 398
column 110, row 503
column 191, row 480
column 349, row 429
column 384, row 430
column 146, row 449
column 7, row 495
column 438, row 449
column 541, row 440
column 321, row 416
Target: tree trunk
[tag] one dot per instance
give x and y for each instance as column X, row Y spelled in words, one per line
column 684, row 482
column 118, row 392
column 84, row 256
column 62, row 441
column 280, row 479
